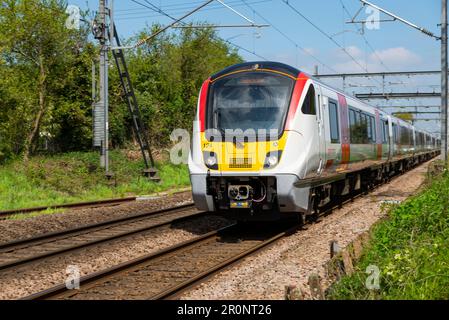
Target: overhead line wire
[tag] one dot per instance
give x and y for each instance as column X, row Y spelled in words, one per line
column 329, row 37
column 175, row 19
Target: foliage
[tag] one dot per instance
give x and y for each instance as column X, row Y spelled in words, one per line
column 406, row 116
column 43, row 72
column 167, row 74
column 74, row 177
column 410, row 249
column 45, row 80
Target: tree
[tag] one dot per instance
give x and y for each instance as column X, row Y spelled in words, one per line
column 168, row 73
column 406, row 116
column 35, row 40
column 45, row 83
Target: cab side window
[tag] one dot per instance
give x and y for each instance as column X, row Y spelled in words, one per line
column 308, row 107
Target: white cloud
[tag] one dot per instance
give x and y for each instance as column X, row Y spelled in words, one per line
column 399, row 56
column 352, row 50
column 395, row 59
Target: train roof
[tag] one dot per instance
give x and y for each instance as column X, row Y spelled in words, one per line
column 294, row 72
column 281, row 67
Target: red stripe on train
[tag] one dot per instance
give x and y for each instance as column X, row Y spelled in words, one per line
column 203, row 102
column 297, row 93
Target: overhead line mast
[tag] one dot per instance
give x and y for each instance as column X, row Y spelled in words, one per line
column 104, row 30
column 444, row 64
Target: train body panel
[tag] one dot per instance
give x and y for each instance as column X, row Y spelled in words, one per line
column 269, row 138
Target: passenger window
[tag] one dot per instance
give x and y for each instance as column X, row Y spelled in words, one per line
column 358, row 127
column 373, row 126
column 308, row 106
column 403, row 135
column 333, row 119
column 370, row 129
column 365, row 129
column 395, row 134
column 352, row 120
column 385, row 131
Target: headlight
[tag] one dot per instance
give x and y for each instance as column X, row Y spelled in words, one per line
column 272, row 159
column 210, row 159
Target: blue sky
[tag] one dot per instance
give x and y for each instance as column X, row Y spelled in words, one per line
column 394, row 47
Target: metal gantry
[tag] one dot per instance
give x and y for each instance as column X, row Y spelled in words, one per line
column 444, row 62
column 133, row 107
column 104, row 30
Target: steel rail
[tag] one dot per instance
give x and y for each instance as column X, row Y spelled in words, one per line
column 102, row 274
column 99, row 203
column 212, row 238
column 52, row 238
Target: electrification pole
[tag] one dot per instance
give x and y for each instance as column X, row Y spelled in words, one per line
column 103, row 37
column 444, row 84
column 105, row 32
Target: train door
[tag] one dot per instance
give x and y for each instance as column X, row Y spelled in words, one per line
column 391, row 137
column 344, row 132
column 414, row 140
column 378, row 126
column 321, row 131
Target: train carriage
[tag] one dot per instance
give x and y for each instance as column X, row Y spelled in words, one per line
column 270, row 140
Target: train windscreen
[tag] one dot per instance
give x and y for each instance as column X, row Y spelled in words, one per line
column 249, row 101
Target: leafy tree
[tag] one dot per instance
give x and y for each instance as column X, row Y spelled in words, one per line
column 45, row 80
column 406, row 116
column 36, row 43
column 168, row 73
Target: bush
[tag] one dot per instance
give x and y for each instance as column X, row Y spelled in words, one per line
column 411, row 250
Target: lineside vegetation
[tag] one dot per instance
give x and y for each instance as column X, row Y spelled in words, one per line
column 76, row 177
column 410, row 249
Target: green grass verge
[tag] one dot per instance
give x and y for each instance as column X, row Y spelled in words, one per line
column 76, row 177
column 410, row 248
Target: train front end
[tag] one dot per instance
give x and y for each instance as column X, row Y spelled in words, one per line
column 246, row 154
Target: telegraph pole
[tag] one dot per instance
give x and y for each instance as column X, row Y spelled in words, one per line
column 444, row 84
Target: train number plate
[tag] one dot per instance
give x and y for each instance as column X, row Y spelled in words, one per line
column 239, row 204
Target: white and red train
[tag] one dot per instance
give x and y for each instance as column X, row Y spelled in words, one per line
column 270, row 139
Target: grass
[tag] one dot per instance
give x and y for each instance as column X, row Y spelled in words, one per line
column 410, row 248
column 76, row 177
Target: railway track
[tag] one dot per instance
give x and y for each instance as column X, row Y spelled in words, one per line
column 90, row 204
column 25, row 251
column 165, row 274
column 169, row 272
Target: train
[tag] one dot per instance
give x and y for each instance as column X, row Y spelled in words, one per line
column 270, row 140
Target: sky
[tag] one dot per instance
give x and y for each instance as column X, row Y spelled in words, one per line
column 338, row 47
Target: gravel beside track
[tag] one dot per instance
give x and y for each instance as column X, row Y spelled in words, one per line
column 17, row 229
column 162, row 275
column 21, row 282
column 291, row 260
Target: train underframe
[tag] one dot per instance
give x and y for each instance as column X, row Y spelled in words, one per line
column 260, row 197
